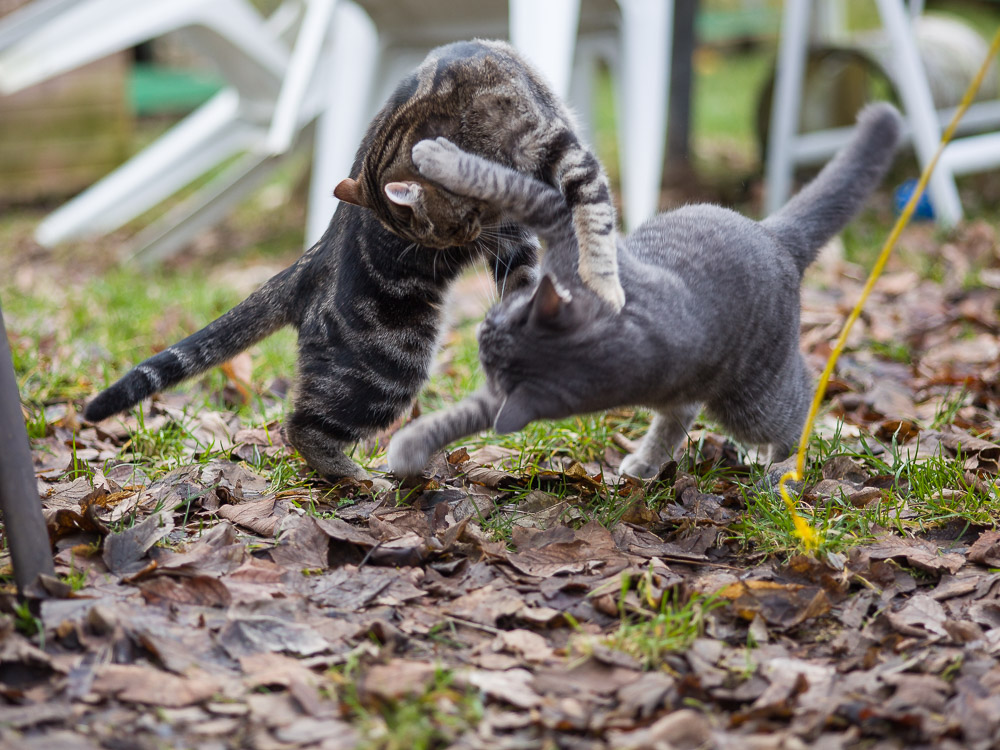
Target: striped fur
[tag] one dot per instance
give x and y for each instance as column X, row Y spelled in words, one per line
column 367, row 299
column 486, row 99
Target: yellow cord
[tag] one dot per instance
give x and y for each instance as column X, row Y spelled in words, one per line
column 810, row 536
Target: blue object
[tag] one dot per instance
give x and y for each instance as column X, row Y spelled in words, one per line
column 924, row 210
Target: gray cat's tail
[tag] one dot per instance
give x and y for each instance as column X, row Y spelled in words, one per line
column 829, row 202
column 259, row 315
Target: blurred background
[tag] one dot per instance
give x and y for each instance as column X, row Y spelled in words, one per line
column 83, row 302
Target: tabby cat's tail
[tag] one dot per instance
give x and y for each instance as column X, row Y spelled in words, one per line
column 829, row 202
column 259, row 315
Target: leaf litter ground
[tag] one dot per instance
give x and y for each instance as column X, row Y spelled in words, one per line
column 221, row 597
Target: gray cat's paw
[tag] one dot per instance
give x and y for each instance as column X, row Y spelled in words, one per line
column 636, row 466
column 437, row 158
column 408, row 453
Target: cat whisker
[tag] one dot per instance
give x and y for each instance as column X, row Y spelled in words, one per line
column 491, row 295
column 503, row 284
column 408, row 248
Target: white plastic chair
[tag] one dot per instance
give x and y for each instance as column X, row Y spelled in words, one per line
column 247, row 50
column 634, row 35
column 341, row 66
column 787, row 147
column 18, row 24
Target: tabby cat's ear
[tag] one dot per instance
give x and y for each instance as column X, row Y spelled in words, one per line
column 349, row 192
column 549, row 301
column 403, row 193
column 514, row 413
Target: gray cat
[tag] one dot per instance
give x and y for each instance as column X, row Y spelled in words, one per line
column 711, row 318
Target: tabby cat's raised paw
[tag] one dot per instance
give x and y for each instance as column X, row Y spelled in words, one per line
column 436, row 158
column 609, row 289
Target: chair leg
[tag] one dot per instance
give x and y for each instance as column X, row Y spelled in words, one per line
column 786, row 102
column 546, row 34
column 28, row 18
column 920, row 110
column 302, row 67
column 581, row 89
column 644, row 91
column 353, row 61
column 92, row 29
column 24, row 526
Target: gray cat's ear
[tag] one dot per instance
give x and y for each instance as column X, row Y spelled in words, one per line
column 549, row 301
column 514, row 413
column 403, row 193
column 349, row 192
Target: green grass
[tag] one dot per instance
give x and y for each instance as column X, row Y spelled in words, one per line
column 653, row 624
column 28, row 623
column 434, row 719
column 921, row 496
column 67, row 345
column 918, row 500
column 71, row 336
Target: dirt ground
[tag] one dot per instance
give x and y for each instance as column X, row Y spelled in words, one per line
column 501, row 604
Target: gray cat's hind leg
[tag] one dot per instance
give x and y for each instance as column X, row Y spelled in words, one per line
column 411, row 448
column 777, row 452
column 670, row 426
column 772, row 420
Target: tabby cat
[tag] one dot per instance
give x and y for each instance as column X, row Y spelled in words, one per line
column 711, row 315
column 367, row 299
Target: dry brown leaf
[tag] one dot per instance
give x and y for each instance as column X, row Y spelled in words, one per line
column 260, row 516
column 680, row 729
column 400, row 678
column 920, row 616
column 485, row 605
column 531, row 647
column 513, row 686
column 245, row 635
column 202, row 591
column 986, row 549
column 915, row 552
column 132, row 683
column 125, row 553
column 783, row 604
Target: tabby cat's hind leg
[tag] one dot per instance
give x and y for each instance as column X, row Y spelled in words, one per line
column 670, row 426
column 323, row 454
column 331, row 408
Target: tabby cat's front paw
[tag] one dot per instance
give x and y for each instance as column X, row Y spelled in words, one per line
column 408, row 453
column 606, row 286
column 436, row 159
column 612, row 293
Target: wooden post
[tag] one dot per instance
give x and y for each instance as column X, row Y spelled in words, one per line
column 24, row 526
